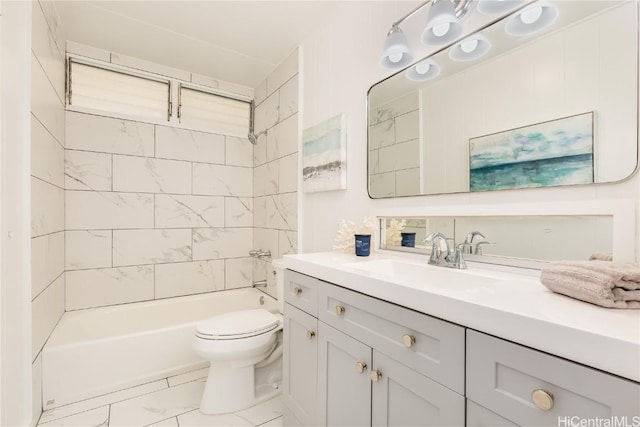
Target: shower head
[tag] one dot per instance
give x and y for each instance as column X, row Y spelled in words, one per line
column 253, row 138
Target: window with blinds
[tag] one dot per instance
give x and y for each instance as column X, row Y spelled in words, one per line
column 202, row 109
column 114, row 91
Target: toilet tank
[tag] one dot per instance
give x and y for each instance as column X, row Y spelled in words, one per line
column 278, row 269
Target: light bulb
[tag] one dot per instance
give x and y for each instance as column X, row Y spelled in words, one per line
column 441, row 29
column 395, row 57
column 530, row 16
column 423, row 68
column 469, row 46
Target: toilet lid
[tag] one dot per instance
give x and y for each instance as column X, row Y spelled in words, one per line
column 242, row 323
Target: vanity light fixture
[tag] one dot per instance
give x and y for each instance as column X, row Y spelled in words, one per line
column 531, row 19
column 473, row 47
column 423, row 70
column 396, row 52
column 443, row 26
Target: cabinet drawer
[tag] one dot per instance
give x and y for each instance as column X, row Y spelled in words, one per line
column 427, row 345
column 301, row 291
column 503, row 376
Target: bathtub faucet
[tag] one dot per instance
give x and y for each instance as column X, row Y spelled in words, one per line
column 260, row 253
column 259, row 283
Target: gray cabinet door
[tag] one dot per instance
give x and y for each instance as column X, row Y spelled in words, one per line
column 300, row 365
column 344, row 386
column 403, row 397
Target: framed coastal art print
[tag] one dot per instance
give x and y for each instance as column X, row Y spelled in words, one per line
column 324, row 156
column 557, row 152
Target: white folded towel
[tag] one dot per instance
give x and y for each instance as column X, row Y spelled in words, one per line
column 605, row 283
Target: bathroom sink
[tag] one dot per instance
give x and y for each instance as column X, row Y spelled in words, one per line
column 395, row 270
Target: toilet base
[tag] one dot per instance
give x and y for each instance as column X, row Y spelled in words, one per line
column 230, row 390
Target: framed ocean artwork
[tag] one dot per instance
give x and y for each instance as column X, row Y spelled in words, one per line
column 557, row 152
column 324, row 156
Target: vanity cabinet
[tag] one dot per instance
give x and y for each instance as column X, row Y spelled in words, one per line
column 354, row 360
column 376, row 363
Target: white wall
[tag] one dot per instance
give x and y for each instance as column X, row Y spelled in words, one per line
column 340, row 63
column 47, row 183
column 15, row 281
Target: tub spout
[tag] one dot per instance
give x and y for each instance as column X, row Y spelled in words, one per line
column 260, row 253
column 259, row 283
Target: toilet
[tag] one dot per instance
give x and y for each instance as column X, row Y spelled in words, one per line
column 245, row 351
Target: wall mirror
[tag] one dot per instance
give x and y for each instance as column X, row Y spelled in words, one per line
column 540, row 238
column 557, row 107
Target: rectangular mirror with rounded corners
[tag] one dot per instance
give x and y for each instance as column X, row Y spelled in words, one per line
column 513, row 106
column 494, row 239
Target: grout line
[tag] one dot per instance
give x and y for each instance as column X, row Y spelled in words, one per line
column 112, row 170
column 33, row 116
column 47, row 182
column 47, row 287
column 109, row 416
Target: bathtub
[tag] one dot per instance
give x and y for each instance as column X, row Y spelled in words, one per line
column 100, row 350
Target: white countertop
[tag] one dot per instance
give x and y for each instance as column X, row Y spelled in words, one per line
column 516, row 307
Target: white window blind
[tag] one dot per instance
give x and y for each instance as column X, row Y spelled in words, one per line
column 206, row 110
column 114, row 91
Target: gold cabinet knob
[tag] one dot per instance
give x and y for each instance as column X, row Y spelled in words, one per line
column 408, row 340
column 361, row 367
column 542, row 399
column 340, row 310
column 375, row 376
column 310, row 335
column 297, row 291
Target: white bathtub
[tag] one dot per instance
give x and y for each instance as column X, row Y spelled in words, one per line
column 101, row 350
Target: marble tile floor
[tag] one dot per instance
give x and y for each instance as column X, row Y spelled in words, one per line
column 171, row 401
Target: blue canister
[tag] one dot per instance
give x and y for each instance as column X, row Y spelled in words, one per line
column 363, row 244
column 408, row 240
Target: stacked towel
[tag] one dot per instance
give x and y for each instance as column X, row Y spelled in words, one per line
column 605, row 283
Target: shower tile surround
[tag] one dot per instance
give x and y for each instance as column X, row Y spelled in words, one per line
column 170, row 401
column 140, row 227
column 275, row 159
column 47, row 185
column 156, row 211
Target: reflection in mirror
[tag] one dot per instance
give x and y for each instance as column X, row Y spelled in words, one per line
column 544, row 238
column 421, row 132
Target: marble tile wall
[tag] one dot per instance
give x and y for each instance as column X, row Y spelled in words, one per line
column 394, row 148
column 154, row 211
column 47, row 185
column 275, row 176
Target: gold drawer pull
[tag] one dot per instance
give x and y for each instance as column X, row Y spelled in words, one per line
column 375, row 376
column 542, row 399
column 361, row 367
column 297, row 291
column 408, row 340
column 310, row 335
column 340, row 310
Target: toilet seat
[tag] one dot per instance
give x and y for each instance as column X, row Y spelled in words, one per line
column 237, row 325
